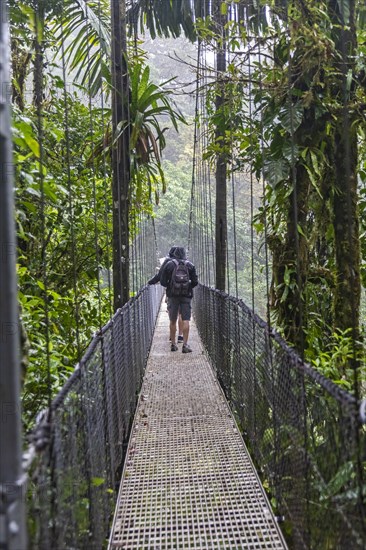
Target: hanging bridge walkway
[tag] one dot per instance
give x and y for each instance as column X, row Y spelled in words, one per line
column 188, row 480
column 183, row 472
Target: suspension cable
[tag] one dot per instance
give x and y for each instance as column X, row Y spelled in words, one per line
column 265, row 205
column 70, row 189
column 233, row 189
column 251, row 182
column 299, row 326
column 94, row 195
column 38, row 89
column 298, row 274
column 253, row 304
column 105, row 179
column 269, row 329
column 195, row 146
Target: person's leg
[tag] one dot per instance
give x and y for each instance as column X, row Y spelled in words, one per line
column 185, row 309
column 173, row 307
column 173, row 331
column 180, row 328
column 167, row 310
column 185, row 330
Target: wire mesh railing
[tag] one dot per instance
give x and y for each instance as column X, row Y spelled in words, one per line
column 304, row 432
column 76, row 455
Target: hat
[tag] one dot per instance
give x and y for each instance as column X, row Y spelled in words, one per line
column 180, row 253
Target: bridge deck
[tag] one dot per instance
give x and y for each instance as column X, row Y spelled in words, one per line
column 188, row 481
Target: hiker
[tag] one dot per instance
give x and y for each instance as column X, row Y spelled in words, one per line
column 179, row 277
column 156, row 279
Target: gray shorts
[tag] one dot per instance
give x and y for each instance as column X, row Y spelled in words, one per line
column 181, row 305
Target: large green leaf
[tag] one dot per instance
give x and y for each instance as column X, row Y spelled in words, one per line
column 83, row 33
column 345, row 473
column 169, row 18
column 291, row 117
column 275, row 171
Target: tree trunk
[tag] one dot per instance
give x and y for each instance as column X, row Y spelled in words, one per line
column 120, row 155
column 345, row 202
column 346, row 232
column 296, row 258
column 291, row 259
column 221, row 161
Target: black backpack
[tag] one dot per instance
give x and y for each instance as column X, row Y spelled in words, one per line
column 180, row 283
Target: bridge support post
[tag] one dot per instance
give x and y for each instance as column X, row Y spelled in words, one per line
column 120, row 154
column 12, row 506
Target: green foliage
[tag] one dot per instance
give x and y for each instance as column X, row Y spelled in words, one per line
column 362, row 205
column 333, row 358
column 295, row 89
column 63, row 180
column 82, row 30
column 284, row 117
column 149, row 102
column 172, row 213
column 162, row 18
column 58, row 263
column 85, row 29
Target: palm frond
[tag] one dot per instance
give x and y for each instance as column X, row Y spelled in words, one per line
column 83, row 30
column 169, row 18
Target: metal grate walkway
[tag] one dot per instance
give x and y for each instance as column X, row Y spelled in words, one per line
column 188, row 481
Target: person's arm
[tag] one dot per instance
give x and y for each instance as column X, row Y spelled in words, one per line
column 154, row 279
column 193, row 276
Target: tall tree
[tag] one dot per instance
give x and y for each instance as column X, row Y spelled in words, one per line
column 345, row 199
column 220, row 19
column 310, row 100
column 120, row 154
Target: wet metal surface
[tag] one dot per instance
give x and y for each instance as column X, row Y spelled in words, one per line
column 188, row 481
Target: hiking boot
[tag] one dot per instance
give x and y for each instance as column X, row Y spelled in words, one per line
column 186, row 348
column 173, row 347
column 180, row 339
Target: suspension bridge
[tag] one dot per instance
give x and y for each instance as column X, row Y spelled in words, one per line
column 240, row 444
column 188, row 479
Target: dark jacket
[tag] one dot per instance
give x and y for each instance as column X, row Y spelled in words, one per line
column 156, row 277
column 166, row 274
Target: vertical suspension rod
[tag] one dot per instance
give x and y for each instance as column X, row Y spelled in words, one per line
column 12, row 516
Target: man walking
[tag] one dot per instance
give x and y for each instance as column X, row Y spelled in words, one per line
column 179, row 277
column 156, row 279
